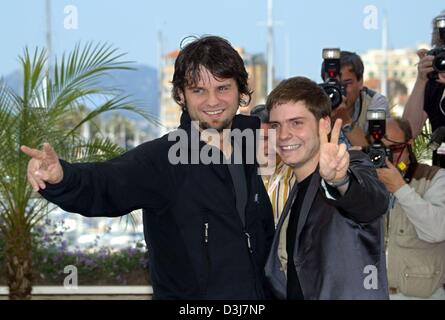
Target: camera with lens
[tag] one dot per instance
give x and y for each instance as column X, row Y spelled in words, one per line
column 377, row 151
column 331, row 74
column 439, row 51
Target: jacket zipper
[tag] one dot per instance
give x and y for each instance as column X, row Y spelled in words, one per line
column 207, row 256
column 249, row 246
column 206, row 233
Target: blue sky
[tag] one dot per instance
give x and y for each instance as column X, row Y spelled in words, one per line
column 132, row 25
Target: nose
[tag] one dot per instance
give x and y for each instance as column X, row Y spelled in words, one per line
column 284, row 133
column 212, row 99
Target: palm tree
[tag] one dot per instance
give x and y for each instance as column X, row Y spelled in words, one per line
column 40, row 113
column 420, row 147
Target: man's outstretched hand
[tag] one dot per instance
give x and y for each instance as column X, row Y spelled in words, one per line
column 43, row 167
column 334, row 157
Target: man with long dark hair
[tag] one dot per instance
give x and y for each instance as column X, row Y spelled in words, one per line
column 208, row 226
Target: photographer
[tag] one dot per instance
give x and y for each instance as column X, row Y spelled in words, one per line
column 427, row 98
column 358, row 100
column 416, row 226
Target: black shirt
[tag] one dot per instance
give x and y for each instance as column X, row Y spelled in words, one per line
column 434, row 106
column 240, row 187
column 294, row 291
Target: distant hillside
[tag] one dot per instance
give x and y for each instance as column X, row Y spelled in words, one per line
column 141, row 84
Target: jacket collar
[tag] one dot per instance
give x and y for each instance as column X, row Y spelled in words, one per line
column 305, row 208
column 240, row 122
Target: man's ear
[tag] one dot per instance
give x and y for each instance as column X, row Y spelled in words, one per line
column 182, row 101
column 410, row 142
column 181, row 97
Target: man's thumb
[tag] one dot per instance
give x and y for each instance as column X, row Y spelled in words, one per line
column 421, row 53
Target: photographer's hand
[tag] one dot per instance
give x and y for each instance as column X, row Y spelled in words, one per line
column 390, row 177
column 425, row 65
column 334, row 157
column 355, row 134
column 413, row 111
column 343, row 112
column 441, row 78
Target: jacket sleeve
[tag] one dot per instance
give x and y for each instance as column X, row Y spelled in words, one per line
column 112, row 188
column 366, row 198
column 426, row 213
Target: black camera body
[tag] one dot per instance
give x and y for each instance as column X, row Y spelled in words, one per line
column 377, row 151
column 331, row 73
column 438, row 61
column 439, row 51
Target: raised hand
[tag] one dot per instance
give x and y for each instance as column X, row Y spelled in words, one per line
column 425, row 64
column 334, row 157
column 391, row 177
column 343, row 112
column 43, row 167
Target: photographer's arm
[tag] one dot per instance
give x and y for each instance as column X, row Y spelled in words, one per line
column 413, row 111
column 357, row 137
column 426, row 213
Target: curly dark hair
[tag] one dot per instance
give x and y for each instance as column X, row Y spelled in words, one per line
column 216, row 55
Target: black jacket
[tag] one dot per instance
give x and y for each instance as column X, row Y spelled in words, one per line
column 197, row 244
column 339, row 248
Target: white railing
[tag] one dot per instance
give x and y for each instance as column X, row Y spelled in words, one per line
column 87, row 290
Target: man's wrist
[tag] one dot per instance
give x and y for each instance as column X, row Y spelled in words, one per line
column 422, row 80
column 339, row 182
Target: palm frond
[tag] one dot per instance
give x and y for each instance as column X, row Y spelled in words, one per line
column 96, row 149
column 47, row 109
column 420, row 146
column 82, row 69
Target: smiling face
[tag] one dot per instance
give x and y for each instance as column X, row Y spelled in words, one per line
column 212, row 101
column 298, row 142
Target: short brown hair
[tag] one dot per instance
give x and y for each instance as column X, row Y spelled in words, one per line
column 301, row 89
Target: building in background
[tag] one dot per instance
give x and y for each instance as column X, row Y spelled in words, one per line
column 401, row 73
column 256, row 67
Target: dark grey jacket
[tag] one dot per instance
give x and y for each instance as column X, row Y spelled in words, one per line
column 339, row 249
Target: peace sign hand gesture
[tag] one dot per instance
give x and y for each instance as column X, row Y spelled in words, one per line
column 334, row 157
column 43, row 167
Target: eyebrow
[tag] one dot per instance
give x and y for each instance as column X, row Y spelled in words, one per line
column 191, row 87
column 289, row 120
